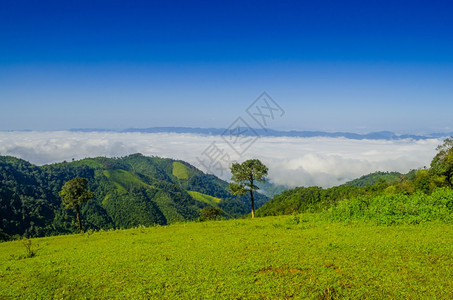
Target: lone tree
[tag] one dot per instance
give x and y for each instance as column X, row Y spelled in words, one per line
column 75, row 193
column 244, row 177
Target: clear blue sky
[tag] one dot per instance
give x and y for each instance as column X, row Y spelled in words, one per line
column 332, row 65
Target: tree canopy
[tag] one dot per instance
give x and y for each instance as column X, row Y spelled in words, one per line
column 74, row 194
column 442, row 163
column 244, row 177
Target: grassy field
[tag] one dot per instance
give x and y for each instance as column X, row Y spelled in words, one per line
column 213, row 201
column 180, row 170
column 266, row 258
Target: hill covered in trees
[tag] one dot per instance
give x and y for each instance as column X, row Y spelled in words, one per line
column 317, row 199
column 129, row 191
column 372, row 178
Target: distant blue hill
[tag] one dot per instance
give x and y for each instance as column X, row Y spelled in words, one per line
column 380, row 135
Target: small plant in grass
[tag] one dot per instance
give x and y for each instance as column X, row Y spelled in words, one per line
column 89, row 232
column 295, row 219
column 30, row 251
column 141, row 228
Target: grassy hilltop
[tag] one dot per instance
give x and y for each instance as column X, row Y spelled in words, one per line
column 267, row 258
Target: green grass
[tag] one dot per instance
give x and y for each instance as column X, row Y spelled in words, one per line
column 266, row 258
column 213, row 201
column 123, row 180
column 180, row 170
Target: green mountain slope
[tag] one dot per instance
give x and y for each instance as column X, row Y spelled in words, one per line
column 372, row 178
column 129, row 191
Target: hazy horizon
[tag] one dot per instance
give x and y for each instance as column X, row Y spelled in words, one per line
column 292, row 161
column 421, row 133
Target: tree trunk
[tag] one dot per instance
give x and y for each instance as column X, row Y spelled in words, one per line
column 78, row 219
column 251, row 198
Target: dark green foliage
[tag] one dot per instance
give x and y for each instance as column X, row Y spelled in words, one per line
column 210, row 213
column 129, row 191
column 3, row 236
column 24, row 205
column 244, row 177
column 442, row 164
column 74, row 193
column 133, row 209
column 95, row 216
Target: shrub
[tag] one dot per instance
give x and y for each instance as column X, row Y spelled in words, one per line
column 210, row 213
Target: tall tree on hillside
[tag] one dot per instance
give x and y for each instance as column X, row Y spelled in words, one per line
column 244, row 177
column 442, row 163
column 74, row 193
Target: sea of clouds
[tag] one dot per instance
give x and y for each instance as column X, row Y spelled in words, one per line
column 292, row 161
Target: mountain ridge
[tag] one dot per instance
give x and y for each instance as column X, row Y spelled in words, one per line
column 377, row 135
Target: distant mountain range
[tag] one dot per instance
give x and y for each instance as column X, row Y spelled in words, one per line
column 380, row 135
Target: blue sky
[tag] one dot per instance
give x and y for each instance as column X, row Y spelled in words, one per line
column 332, row 65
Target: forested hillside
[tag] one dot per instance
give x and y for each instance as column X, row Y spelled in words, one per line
column 372, row 178
column 312, row 199
column 129, row 191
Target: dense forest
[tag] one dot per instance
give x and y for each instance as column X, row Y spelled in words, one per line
column 129, row 191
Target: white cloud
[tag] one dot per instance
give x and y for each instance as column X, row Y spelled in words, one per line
column 292, row 161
